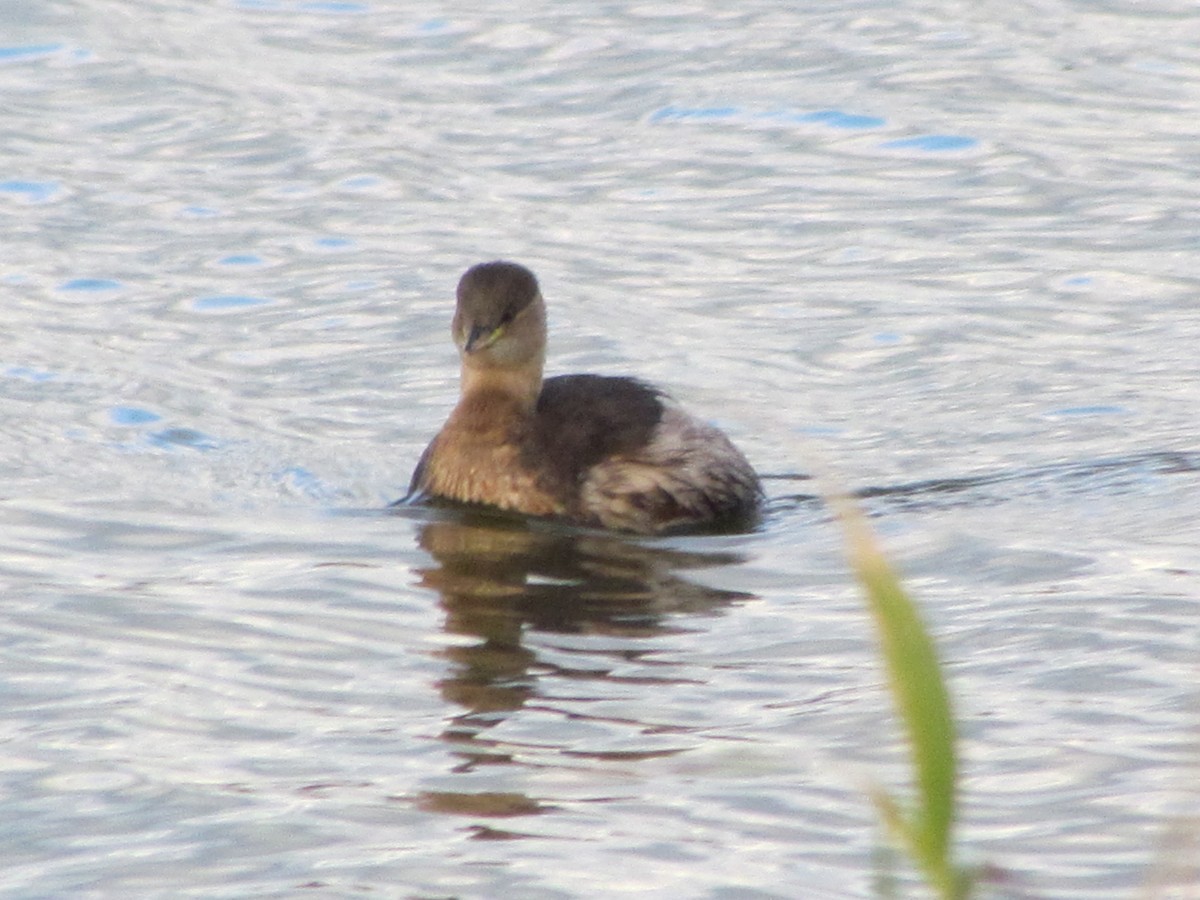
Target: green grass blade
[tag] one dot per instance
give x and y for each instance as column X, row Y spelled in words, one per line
column 923, row 705
column 921, row 699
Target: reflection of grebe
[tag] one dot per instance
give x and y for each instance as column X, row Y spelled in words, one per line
column 505, row 585
column 601, row 451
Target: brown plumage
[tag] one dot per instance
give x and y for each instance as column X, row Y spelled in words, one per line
column 595, row 450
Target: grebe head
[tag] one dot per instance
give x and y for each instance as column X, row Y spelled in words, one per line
column 500, row 319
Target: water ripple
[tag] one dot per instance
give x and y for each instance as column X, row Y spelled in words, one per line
column 955, row 260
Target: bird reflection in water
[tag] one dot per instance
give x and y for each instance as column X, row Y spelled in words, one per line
column 501, row 578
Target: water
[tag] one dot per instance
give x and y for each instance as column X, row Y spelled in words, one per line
column 949, row 252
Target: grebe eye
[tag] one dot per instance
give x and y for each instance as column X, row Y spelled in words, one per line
column 507, row 317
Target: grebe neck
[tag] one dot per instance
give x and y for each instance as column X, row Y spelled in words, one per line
column 518, row 384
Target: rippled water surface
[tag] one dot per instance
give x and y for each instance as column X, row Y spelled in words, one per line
column 949, row 251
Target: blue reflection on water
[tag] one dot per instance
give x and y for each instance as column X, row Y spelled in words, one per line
column 682, row 113
column 1091, row 410
column 361, row 182
column 226, row 302
column 241, row 259
column 334, row 243
column 168, row 438
column 300, row 480
column 932, row 143
column 25, row 373
column 336, row 7
column 90, row 284
column 31, row 51
column 173, row 438
column 833, row 118
column 132, row 415
column 30, row 191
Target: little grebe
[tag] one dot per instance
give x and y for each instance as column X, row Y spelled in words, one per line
column 596, row 450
